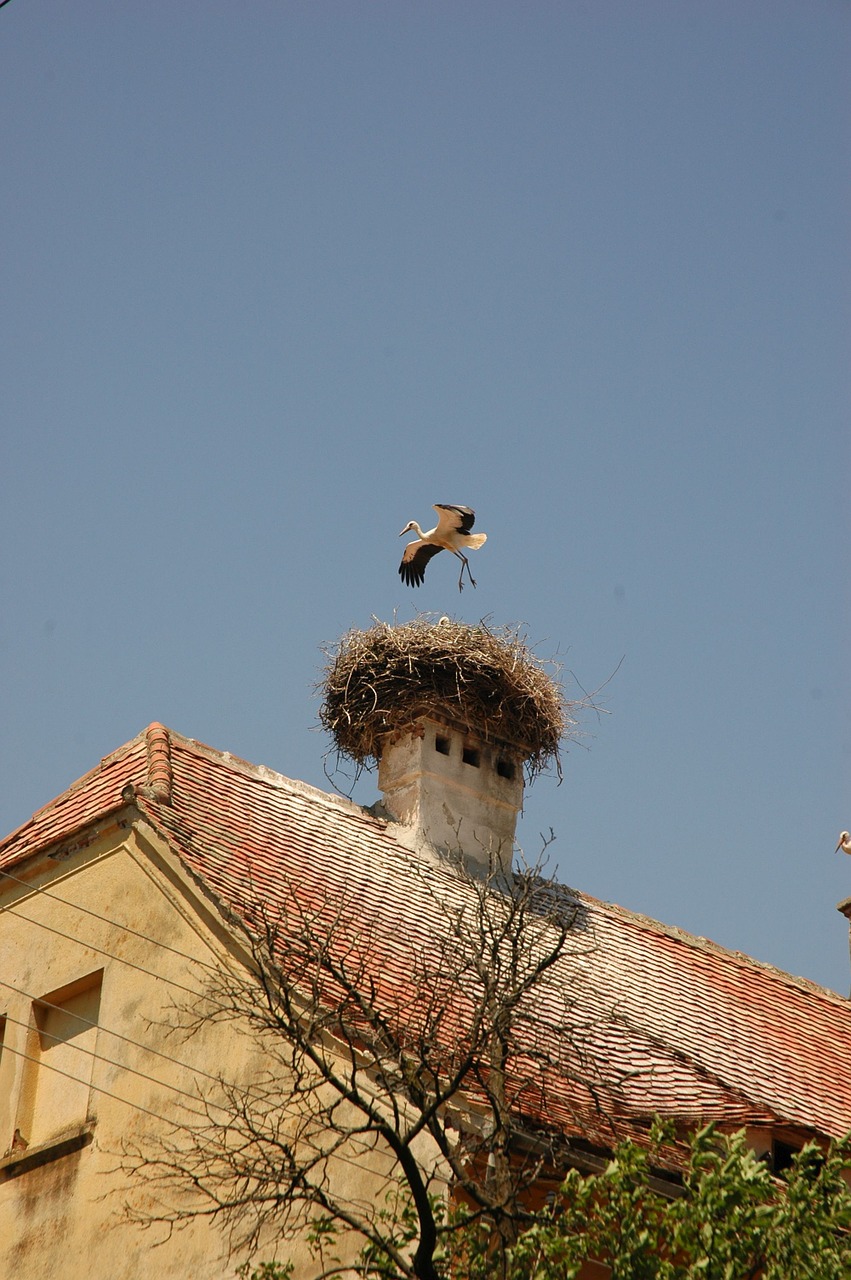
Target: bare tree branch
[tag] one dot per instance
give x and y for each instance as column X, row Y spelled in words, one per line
column 439, row 1080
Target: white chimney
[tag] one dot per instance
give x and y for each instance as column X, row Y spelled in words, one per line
column 453, row 791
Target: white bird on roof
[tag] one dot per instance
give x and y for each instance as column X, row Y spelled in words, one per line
column 451, row 533
column 844, row 843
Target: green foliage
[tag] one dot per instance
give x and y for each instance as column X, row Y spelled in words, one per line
column 265, row 1271
column 731, row 1221
column 729, row 1218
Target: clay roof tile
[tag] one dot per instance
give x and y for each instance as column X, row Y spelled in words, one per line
column 690, row 1029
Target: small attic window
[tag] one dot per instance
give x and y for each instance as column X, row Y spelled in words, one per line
column 441, row 744
column 782, row 1154
column 57, row 1090
column 504, row 768
column 471, row 755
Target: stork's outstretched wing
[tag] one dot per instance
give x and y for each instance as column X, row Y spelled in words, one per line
column 414, row 560
column 453, row 519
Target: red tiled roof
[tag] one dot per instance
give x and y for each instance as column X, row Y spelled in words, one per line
column 687, row 1028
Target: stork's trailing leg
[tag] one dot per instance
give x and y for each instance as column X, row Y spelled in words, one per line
column 465, row 564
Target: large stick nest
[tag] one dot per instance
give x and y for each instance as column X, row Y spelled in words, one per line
column 486, row 682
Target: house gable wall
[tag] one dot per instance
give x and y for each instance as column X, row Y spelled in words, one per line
column 114, row 935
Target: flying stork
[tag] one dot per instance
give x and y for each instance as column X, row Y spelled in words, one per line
column 451, row 533
column 844, row 843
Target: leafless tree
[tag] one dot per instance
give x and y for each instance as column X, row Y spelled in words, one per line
column 447, row 1074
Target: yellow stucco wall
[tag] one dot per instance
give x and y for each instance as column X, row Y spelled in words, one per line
column 114, row 934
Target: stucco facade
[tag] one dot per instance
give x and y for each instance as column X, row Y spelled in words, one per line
column 116, row 923
column 102, row 948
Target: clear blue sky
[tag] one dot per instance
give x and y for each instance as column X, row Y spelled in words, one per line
column 276, row 277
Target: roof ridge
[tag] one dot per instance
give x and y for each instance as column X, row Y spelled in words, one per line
column 700, row 943
column 159, row 776
column 265, row 774
column 273, row 778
